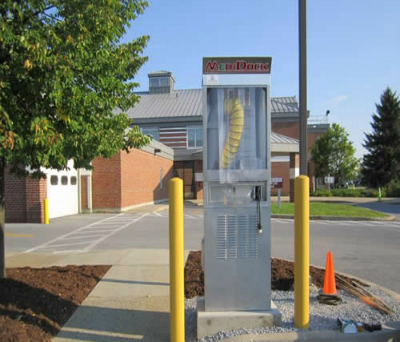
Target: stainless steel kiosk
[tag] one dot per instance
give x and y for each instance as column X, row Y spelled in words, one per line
column 237, row 173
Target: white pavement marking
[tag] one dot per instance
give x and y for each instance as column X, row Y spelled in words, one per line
column 97, row 231
column 88, row 248
column 70, row 233
column 277, row 220
column 81, row 237
column 69, row 251
column 71, row 244
column 344, row 223
column 321, row 222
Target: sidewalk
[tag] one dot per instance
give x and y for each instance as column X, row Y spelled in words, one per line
column 130, row 303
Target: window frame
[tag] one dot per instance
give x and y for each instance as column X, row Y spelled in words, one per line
column 156, row 81
column 73, row 180
column 142, row 129
column 51, row 180
column 195, row 128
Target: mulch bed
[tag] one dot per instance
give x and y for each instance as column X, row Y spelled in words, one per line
column 282, row 275
column 36, row 302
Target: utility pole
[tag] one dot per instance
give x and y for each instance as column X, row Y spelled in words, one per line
column 303, row 85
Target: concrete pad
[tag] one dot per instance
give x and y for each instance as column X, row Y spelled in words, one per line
column 147, row 257
column 91, row 258
column 210, row 323
column 133, row 281
column 32, row 260
column 118, row 320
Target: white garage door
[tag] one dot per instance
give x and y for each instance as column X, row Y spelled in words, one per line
column 62, row 192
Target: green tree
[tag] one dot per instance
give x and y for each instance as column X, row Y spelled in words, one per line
column 381, row 164
column 334, row 154
column 63, row 71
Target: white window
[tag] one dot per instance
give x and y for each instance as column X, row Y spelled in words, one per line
column 195, row 137
column 154, row 82
column 73, row 180
column 53, row 180
column 159, row 82
column 152, row 132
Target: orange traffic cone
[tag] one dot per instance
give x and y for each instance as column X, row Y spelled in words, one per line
column 329, row 278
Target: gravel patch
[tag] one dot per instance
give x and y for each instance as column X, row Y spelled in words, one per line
column 322, row 317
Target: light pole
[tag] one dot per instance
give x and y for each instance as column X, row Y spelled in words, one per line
column 303, row 85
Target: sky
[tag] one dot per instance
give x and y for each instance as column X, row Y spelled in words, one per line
column 353, row 49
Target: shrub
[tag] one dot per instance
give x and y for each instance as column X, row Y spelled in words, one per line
column 322, row 193
column 393, row 189
column 349, row 193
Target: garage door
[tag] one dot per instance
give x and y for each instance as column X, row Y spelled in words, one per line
column 62, row 192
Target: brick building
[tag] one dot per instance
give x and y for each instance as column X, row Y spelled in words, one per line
column 117, row 184
column 175, row 118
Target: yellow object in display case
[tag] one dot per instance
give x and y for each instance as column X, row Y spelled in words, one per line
column 234, row 109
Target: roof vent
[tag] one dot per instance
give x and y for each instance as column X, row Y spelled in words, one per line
column 161, row 82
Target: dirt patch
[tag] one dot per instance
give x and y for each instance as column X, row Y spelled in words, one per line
column 36, row 302
column 282, row 275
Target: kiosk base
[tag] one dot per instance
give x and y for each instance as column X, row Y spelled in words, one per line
column 210, row 323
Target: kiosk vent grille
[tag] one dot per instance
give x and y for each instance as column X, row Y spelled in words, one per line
column 237, row 237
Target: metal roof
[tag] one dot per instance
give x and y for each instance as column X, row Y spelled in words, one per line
column 286, row 104
column 281, row 145
column 277, row 138
column 188, row 103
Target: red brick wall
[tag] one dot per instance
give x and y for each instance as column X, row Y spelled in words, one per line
column 281, row 170
column 84, row 197
column 140, row 177
column 24, row 198
column 129, row 179
column 106, row 183
column 15, row 198
column 290, row 129
column 36, row 192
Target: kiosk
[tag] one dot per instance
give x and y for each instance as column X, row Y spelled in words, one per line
column 237, row 181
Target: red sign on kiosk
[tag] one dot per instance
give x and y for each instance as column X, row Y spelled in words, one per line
column 237, row 65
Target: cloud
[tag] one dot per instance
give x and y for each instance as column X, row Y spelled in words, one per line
column 338, row 99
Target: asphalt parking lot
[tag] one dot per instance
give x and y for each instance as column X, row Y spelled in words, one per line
column 365, row 249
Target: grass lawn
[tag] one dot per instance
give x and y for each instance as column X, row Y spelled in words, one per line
column 327, row 209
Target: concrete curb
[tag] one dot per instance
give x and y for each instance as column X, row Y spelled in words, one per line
column 388, row 333
column 339, row 218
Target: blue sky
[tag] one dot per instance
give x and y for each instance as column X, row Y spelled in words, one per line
column 353, row 48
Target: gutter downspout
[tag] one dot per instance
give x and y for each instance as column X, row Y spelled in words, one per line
column 89, row 192
column 79, row 192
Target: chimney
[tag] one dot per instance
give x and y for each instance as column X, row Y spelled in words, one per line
column 161, row 82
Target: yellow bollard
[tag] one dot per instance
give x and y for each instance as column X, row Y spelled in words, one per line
column 176, row 260
column 301, row 252
column 46, row 211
